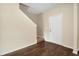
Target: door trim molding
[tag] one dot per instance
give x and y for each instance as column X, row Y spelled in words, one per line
column 75, row 50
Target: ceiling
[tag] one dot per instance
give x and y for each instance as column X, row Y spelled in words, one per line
column 39, row 7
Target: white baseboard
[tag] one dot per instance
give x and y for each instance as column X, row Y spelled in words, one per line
column 9, row 51
column 75, row 51
column 61, row 44
column 57, row 43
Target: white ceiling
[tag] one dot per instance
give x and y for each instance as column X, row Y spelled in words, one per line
column 39, row 7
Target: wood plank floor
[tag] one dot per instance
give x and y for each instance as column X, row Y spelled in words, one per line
column 43, row 49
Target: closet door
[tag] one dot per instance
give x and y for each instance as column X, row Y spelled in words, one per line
column 55, row 28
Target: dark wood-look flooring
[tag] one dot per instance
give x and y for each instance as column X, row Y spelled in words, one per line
column 43, row 49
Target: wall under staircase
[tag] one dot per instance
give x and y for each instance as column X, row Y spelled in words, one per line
column 17, row 30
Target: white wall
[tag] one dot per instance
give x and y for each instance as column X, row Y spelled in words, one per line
column 78, row 24
column 40, row 24
column 16, row 30
column 67, row 11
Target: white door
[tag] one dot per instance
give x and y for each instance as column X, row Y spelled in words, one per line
column 55, row 29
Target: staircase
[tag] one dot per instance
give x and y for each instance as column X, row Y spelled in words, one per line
column 34, row 18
